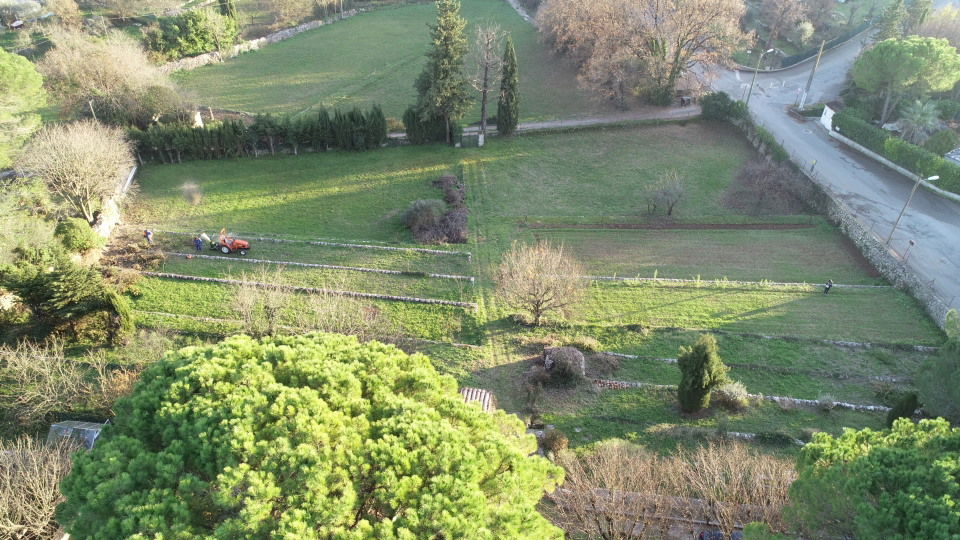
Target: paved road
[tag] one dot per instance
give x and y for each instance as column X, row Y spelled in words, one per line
column 875, row 193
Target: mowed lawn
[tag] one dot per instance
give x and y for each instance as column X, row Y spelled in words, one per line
column 375, row 58
column 324, row 195
column 873, row 315
column 607, row 172
column 811, row 255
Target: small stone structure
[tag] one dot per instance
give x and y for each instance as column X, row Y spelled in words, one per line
column 486, row 399
column 552, row 355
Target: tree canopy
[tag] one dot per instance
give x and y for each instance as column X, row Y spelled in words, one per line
column 508, row 104
column 21, row 94
column 701, row 370
column 312, row 436
column 913, row 66
column 900, row 484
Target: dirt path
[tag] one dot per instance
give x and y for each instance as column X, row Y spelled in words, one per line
column 648, row 113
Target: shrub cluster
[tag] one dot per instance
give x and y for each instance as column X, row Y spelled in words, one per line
column 427, row 130
column 191, row 33
column 719, row 106
column 908, row 156
column 173, row 143
column 731, row 396
column 432, row 222
column 76, row 235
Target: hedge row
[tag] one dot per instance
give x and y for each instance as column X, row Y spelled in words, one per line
column 173, row 143
column 908, row 156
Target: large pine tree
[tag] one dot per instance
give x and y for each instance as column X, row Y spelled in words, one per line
column 508, row 106
column 443, row 87
column 701, row 370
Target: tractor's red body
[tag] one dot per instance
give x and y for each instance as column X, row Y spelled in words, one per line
column 229, row 245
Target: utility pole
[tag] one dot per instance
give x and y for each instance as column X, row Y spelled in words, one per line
column 755, row 70
column 803, row 99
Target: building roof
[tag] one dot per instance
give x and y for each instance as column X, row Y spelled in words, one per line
column 486, row 399
column 953, row 155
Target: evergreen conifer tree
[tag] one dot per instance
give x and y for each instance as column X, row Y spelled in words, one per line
column 508, row 106
column 701, row 371
column 443, row 87
column 893, row 20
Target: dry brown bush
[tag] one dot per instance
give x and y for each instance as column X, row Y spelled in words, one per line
column 621, row 490
column 82, row 163
column 539, row 279
column 765, row 187
column 45, row 380
column 30, row 474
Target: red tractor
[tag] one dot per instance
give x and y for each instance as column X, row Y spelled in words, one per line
column 227, row 244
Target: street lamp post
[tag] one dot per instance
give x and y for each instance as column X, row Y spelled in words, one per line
column 904, row 209
column 754, row 79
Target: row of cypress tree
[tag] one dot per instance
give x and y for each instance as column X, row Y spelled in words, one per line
column 442, row 88
column 174, row 143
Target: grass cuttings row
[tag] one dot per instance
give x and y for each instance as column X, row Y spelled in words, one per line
column 811, row 255
column 651, row 417
column 404, row 261
column 872, row 315
column 442, row 323
column 342, row 280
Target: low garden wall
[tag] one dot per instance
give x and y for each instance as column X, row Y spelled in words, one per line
column 193, row 62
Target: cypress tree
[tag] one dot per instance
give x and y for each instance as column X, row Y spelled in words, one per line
column 508, row 105
column 323, row 135
column 442, row 87
column 701, row 371
column 228, row 8
column 893, row 21
column 376, row 127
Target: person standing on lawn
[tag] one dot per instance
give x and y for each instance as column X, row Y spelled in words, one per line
column 828, row 286
column 198, row 243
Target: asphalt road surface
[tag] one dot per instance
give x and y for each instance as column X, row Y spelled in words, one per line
column 876, row 194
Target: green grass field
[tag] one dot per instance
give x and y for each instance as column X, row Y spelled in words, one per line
column 375, row 58
column 562, row 181
column 811, row 255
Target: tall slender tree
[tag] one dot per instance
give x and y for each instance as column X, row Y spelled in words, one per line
column 443, row 87
column 488, row 64
column 893, row 21
column 508, row 106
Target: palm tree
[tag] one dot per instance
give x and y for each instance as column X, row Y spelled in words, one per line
column 918, row 120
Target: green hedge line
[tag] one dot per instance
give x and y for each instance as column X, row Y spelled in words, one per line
column 908, row 156
column 174, row 143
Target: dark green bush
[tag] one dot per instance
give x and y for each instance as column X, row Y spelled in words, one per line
column 860, row 131
column 904, row 408
column 777, row 151
column 424, row 131
column 774, row 438
column 942, row 142
column 191, row 33
column 714, row 106
column 949, row 109
column 77, row 235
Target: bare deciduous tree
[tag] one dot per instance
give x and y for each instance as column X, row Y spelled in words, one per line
column 260, row 308
column 780, row 14
column 624, row 491
column 539, row 279
column 666, row 193
column 82, row 162
column 486, row 54
column 108, row 76
column 30, row 474
column 67, row 12
column 642, row 46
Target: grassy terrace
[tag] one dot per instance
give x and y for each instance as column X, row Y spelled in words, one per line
column 375, row 58
column 579, row 189
column 882, row 315
column 812, row 255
